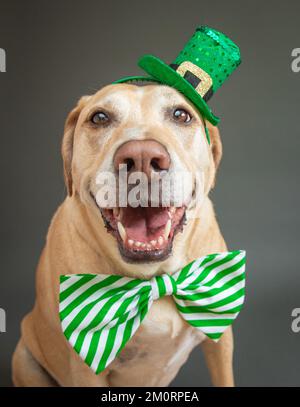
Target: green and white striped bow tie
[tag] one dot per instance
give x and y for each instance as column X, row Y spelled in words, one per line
column 100, row 313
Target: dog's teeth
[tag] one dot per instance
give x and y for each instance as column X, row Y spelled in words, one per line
column 130, row 242
column 167, row 229
column 160, row 240
column 116, row 212
column 153, row 242
column 143, row 245
column 138, row 244
column 149, row 246
column 122, row 231
column 171, row 211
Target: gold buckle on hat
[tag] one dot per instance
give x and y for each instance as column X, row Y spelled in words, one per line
column 205, row 79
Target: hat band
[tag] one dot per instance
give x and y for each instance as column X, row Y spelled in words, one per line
column 197, row 77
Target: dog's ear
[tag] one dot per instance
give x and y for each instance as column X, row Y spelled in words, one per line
column 216, row 144
column 67, row 143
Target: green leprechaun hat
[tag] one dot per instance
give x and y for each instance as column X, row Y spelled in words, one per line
column 203, row 65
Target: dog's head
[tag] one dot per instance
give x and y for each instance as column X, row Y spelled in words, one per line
column 152, row 130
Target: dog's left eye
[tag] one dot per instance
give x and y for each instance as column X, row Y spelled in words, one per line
column 181, row 115
column 99, row 118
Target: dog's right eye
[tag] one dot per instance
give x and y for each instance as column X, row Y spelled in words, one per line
column 99, row 118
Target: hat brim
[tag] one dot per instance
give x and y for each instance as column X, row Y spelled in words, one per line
column 135, row 78
column 163, row 73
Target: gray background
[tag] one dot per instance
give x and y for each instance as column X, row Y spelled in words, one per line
column 58, row 51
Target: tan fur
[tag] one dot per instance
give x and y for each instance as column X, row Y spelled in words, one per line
column 77, row 242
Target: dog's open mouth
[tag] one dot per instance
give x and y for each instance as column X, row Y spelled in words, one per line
column 144, row 234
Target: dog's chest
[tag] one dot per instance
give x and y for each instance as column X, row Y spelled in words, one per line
column 158, row 349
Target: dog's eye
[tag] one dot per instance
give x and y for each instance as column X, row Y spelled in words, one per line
column 99, row 118
column 181, row 115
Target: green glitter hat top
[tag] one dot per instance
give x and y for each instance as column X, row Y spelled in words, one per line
column 205, row 62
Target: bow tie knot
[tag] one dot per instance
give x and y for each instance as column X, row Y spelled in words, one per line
column 162, row 285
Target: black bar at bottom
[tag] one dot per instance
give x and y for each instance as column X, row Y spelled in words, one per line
column 127, row 396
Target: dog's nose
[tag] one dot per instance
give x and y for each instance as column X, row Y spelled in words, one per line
column 143, row 156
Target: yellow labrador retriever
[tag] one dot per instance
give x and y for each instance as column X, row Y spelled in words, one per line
column 150, row 128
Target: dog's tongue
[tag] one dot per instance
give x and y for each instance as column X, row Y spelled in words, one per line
column 144, row 224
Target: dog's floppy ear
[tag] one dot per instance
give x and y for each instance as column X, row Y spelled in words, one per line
column 67, row 143
column 216, row 144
